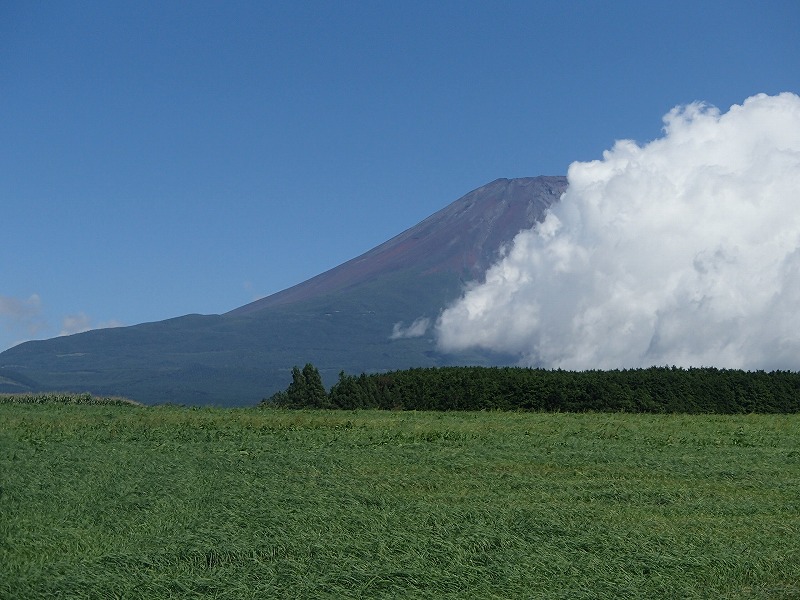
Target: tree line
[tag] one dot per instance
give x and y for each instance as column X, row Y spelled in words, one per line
column 651, row 390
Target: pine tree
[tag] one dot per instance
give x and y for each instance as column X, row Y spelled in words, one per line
column 315, row 394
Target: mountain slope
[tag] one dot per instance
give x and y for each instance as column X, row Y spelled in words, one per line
column 462, row 238
column 342, row 319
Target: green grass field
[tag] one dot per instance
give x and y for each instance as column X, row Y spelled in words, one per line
column 123, row 501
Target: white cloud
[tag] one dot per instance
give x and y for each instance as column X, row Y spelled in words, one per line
column 22, row 315
column 23, row 319
column 77, row 323
column 80, row 322
column 417, row 329
column 14, row 308
column 683, row 251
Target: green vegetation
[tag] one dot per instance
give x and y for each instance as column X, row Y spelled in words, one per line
column 653, row 390
column 305, row 391
column 63, row 398
column 123, row 501
column 229, row 360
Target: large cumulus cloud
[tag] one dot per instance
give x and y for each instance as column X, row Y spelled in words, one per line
column 684, row 251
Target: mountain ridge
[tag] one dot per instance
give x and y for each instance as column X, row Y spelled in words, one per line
column 401, row 251
column 342, row 319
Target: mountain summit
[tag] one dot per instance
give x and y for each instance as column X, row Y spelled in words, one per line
column 356, row 317
column 463, row 238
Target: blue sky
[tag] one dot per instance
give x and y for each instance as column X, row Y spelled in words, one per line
column 165, row 158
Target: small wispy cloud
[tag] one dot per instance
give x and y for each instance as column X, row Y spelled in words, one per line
column 80, row 322
column 418, row 328
column 22, row 315
column 75, row 324
column 23, row 319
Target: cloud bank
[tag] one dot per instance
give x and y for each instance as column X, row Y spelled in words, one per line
column 684, row 251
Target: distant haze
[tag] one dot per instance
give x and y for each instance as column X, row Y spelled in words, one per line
column 684, row 250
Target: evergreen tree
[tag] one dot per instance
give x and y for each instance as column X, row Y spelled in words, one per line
column 348, row 393
column 655, row 390
column 315, row 394
column 295, row 393
column 305, row 391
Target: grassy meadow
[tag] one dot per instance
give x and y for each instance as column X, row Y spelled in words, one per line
column 124, row 501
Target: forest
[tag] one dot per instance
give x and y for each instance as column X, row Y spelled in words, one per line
column 651, row 390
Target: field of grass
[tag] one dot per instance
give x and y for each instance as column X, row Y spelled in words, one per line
column 120, row 501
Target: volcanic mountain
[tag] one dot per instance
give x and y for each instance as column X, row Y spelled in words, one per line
column 355, row 317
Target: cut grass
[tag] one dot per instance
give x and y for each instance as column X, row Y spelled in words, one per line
column 124, row 501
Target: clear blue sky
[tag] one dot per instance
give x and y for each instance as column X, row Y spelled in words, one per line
column 165, row 158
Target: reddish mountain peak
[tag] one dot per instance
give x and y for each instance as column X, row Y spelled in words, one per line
column 464, row 237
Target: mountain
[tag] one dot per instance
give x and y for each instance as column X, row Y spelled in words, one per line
column 343, row 319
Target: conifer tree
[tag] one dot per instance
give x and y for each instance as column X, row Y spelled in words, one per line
column 315, row 395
